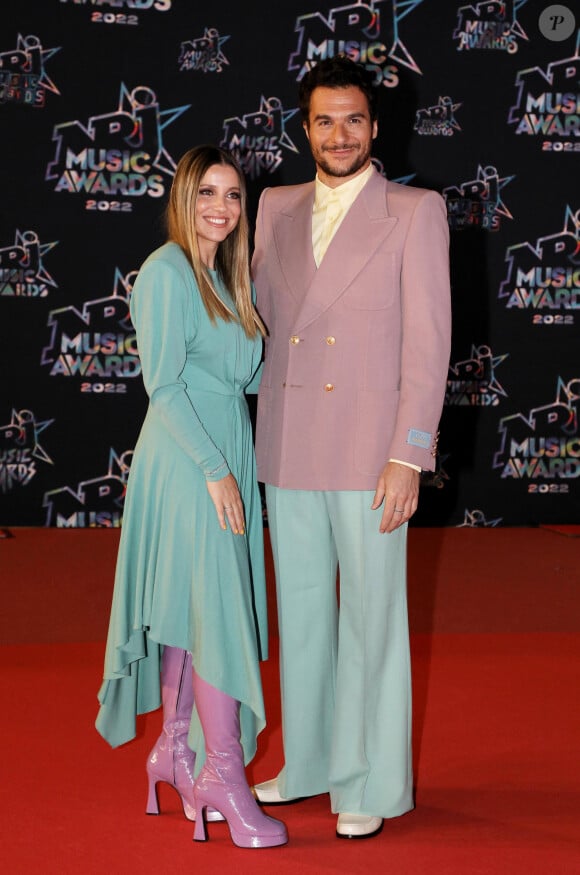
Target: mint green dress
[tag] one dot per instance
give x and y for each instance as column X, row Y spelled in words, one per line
column 181, row 580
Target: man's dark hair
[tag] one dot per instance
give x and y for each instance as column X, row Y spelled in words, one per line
column 338, row 72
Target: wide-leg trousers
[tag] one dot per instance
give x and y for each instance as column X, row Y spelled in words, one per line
column 344, row 662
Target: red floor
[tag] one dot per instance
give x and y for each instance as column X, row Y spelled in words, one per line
column 496, row 663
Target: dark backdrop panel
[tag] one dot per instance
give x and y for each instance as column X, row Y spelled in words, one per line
column 98, row 100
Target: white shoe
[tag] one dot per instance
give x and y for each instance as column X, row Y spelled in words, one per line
column 358, row 826
column 268, row 793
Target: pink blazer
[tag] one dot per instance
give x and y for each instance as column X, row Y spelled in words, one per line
column 357, row 354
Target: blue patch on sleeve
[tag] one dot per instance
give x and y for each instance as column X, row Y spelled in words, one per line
column 419, row 438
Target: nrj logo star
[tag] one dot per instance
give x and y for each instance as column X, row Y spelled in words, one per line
column 23, row 78
column 257, row 139
column 472, row 382
column 478, row 203
column 544, row 444
column 437, row 120
column 97, row 342
column 545, row 276
column 491, row 25
column 20, row 449
column 119, row 153
column 204, row 53
column 95, row 503
column 22, row 272
column 476, row 519
column 548, row 103
column 359, row 31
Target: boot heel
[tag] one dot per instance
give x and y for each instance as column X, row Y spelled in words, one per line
column 200, row 832
column 152, row 801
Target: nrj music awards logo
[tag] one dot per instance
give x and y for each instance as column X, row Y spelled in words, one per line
column 95, row 503
column 545, row 278
column 543, row 444
column 258, row 138
column 23, row 78
column 478, row 203
column 118, row 154
column 491, row 25
column 20, row 450
column 22, row 272
column 437, row 120
column 366, row 32
column 548, row 104
column 97, row 345
column 473, row 382
column 204, row 53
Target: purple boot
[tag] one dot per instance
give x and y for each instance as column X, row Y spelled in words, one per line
column 171, row 759
column 222, row 783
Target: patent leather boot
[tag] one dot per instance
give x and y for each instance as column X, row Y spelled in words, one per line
column 222, row 783
column 171, row 759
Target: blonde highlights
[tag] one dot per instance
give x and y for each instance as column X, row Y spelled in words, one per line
column 232, row 258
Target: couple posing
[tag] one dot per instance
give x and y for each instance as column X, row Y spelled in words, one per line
column 352, row 284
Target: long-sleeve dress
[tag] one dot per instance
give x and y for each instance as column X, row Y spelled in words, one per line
column 180, row 579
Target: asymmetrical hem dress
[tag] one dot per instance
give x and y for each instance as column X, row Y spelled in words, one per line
column 181, row 580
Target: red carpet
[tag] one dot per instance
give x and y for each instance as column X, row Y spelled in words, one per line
column 495, row 623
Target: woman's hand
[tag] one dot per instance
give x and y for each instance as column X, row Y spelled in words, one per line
column 228, row 503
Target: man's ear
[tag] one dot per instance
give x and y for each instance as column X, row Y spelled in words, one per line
column 375, row 129
column 305, row 126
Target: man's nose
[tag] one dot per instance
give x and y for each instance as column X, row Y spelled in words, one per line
column 340, row 134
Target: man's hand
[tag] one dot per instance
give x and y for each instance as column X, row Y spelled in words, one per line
column 398, row 488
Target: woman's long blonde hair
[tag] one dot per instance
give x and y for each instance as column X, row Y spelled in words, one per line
column 232, row 257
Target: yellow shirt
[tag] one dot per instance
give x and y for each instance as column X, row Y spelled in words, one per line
column 330, row 207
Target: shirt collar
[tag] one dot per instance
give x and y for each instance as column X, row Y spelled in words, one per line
column 346, row 192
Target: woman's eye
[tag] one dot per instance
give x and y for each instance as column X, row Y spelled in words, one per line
column 206, row 192
column 235, row 195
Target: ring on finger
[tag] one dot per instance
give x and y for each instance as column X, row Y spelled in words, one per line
column 399, row 511
column 228, row 506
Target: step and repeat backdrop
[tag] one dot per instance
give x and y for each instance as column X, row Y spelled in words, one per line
column 99, row 99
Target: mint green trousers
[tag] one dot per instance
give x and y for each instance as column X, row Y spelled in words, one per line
column 344, row 656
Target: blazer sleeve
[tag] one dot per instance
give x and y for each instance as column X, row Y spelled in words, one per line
column 426, row 333
column 161, row 306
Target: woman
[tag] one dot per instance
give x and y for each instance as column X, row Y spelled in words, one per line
column 190, row 583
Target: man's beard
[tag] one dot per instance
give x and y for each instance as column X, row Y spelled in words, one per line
column 359, row 160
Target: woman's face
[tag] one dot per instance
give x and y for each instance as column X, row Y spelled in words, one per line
column 217, row 209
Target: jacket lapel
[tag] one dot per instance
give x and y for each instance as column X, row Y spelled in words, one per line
column 293, row 241
column 362, row 231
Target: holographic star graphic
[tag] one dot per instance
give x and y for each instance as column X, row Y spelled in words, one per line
column 31, row 45
column 141, row 98
column 481, row 367
column 28, row 430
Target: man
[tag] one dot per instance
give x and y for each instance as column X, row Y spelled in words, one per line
column 352, row 280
